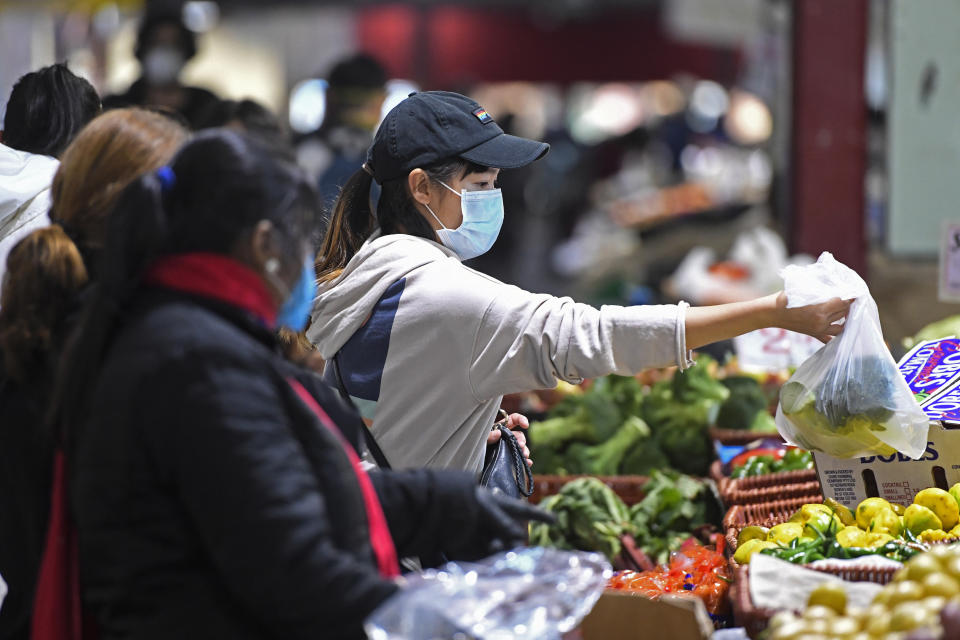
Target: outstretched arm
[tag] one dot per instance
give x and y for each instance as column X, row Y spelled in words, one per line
column 725, row 321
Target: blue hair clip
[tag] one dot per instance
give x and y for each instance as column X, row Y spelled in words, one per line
column 167, row 178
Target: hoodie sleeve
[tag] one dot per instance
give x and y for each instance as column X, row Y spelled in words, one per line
column 528, row 341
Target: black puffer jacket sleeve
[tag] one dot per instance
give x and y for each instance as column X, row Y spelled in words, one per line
column 256, row 504
column 431, row 511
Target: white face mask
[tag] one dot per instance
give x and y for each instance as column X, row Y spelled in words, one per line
column 162, row 65
column 482, row 219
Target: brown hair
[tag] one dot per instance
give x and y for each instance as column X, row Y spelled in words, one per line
column 44, row 274
column 102, row 160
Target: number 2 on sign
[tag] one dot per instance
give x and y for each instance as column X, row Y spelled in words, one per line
column 776, row 341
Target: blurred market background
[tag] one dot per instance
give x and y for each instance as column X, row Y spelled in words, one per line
column 697, row 146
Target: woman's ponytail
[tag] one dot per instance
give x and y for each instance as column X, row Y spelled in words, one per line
column 350, row 225
column 136, row 230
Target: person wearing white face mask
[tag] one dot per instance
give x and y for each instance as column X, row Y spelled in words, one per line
column 164, row 46
column 426, row 346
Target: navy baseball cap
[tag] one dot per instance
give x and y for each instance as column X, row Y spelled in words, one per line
column 435, row 125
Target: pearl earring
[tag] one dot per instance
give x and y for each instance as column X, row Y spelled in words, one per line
column 272, row 265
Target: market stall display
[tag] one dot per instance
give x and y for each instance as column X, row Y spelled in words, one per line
column 693, row 569
column 922, row 596
column 617, row 425
column 591, row 517
column 877, row 527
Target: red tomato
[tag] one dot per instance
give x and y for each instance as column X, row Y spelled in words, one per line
column 746, row 455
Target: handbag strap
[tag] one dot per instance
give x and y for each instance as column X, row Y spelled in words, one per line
column 372, row 445
column 521, row 472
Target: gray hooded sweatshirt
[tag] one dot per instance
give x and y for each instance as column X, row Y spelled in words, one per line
column 428, row 347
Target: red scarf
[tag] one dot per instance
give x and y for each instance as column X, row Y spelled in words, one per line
column 211, row 275
column 221, row 278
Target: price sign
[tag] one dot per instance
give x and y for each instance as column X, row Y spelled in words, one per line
column 774, row 349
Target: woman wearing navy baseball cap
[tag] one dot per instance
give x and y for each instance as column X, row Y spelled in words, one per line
column 426, row 346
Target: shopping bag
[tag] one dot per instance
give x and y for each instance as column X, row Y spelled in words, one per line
column 848, row 399
column 531, row 593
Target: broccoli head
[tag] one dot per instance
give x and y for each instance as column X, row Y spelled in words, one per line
column 697, row 383
column 604, row 459
column 644, row 457
column 745, row 402
column 555, row 433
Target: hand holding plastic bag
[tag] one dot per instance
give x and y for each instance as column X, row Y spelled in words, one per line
column 849, row 398
column 532, row 593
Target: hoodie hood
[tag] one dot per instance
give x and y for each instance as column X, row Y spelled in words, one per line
column 23, row 177
column 343, row 305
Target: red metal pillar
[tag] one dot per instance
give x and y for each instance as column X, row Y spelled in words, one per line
column 829, row 130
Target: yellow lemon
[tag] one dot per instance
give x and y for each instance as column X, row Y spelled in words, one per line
column 784, row 533
column 853, row 536
column 933, row 535
column 867, row 509
column 940, row 584
column 918, row 519
column 941, row 503
column 908, row 617
column 885, row 521
column 955, row 492
column 919, row 567
column 807, row 511
column 845, row 515
column 906, row 591
column 831, row 595
column 750, row 547
column 751, row 533
column 875, row 540
column 897, row 508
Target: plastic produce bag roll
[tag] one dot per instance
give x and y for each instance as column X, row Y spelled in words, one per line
column 848, row 399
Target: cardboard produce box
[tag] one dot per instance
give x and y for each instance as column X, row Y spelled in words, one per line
column 620, row 615
column 932, row 371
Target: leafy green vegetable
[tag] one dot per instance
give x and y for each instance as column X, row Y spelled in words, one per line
column 643, row 457
column 746, row 401
column 590, row 517
column 682, row 434
column 763, row 422
column 696, row 383
column 592, row 417
column 939, row 329
column 604, row 459
column 674, row 506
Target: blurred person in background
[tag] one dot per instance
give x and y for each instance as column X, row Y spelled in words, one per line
column 44, row 275
column 426, row 346
column 356, row 89
column 246, row 116
column 45, row 111
column 164, row 46
column 108, row 154
column 41, row 299
column 215, row 484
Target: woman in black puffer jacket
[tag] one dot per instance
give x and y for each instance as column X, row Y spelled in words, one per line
column 216, row 488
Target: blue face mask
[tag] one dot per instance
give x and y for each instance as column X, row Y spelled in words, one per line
column 482, row 219
column 295, row 311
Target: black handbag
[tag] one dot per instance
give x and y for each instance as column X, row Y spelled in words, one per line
column 504, row 468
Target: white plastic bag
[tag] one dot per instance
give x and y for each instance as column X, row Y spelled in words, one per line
column 848, row 399
column 526, row 594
